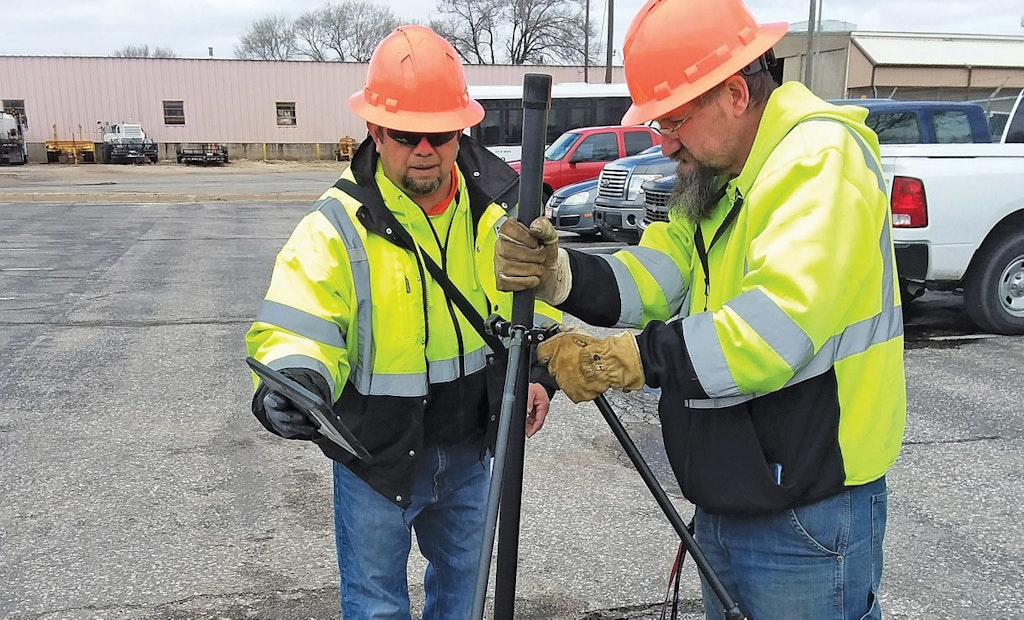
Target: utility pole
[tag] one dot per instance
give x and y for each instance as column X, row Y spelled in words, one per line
column 809, row 57
column 586, row 43
column 611, row 34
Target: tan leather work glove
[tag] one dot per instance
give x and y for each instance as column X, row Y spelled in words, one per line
column 527, row 258
column 585, row 366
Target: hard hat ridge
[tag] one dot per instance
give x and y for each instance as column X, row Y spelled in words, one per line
column 676, row 50
column 415, row 82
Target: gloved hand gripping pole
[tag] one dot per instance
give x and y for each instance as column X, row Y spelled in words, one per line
column 506, row 485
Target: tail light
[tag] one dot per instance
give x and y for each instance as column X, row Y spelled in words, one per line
column 909, row 204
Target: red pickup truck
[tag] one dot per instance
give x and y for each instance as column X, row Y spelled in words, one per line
column 579, row 154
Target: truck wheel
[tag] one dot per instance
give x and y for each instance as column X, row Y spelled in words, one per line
column 994, row 288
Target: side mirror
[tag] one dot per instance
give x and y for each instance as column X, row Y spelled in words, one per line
column 576, row 157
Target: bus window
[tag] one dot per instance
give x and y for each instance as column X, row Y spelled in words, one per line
column 609, row 111
column 573, row 105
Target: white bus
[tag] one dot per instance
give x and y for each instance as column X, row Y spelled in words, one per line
column 573, row 105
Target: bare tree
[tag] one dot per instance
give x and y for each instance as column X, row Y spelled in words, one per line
column 142, row 51
column 368, row 25
column 545, row 32
column 269, row 38
column 516, row 31
column 348, row 31
column 313, row 34
column 472, row 27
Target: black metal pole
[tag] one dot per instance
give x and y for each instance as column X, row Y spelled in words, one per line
column 506, row 487
column 732, row 610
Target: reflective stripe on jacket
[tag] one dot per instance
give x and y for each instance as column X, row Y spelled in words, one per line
column 792, row 352
column 347, row 303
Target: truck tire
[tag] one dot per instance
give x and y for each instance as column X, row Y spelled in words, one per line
column 994, row 287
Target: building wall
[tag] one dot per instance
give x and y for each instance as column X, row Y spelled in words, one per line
column 230, row 101
column 830, row 63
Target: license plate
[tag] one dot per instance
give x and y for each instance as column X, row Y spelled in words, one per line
column 549, row 212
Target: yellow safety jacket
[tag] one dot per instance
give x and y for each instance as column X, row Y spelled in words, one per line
column 788, row 346
column 346, row 302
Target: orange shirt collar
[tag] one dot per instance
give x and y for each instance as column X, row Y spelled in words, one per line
column 442, row 206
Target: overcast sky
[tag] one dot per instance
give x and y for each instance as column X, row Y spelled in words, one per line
column 189, row 27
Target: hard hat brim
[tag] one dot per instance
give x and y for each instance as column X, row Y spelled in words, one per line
column 419, row 122
column 767, row 36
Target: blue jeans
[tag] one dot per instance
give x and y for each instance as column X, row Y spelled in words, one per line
column 815, row 562
column 373, row 537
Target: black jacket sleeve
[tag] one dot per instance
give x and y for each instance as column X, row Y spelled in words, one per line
column 666, row 360
column 594, row 297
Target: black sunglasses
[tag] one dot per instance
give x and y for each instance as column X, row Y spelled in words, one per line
column 407, row 138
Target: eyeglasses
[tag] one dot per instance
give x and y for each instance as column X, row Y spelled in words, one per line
column 700, row 104
column 407, row 138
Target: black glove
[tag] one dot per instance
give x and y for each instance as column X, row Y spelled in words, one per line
column 279, row 415
column 287, row 421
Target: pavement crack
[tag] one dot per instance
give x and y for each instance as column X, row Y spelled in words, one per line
column 961, row 440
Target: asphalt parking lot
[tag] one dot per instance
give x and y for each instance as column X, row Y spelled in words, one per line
column 135, row 484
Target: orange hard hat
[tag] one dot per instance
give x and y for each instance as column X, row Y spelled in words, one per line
column 677, row 50
column 415, row 82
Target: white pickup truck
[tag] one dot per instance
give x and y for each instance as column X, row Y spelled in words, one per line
column 958, row 224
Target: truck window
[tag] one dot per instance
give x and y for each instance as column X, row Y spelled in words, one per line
column 1016, row 132
column 637, row 141
column 598, row 147
column 952, row 127
column 16, row 107
column 895, row 127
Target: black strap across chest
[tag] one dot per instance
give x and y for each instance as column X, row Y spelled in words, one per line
column 401, row 237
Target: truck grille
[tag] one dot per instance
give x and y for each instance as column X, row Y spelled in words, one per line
column 655, row 206
column 612, row 183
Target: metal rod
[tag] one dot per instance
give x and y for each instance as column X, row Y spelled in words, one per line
column 732, row 610
column 510, row 506
column 497, row 473
column 506, row 484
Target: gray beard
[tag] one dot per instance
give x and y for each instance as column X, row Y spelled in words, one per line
column 691, row 195
column 424, row 188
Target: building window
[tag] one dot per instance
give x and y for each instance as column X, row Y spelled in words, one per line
column 174, row 113
column 16, row 106
column 286, row 113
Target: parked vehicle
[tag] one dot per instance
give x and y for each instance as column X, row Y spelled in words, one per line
column 958, row 223
column 12, row 139
column 125, row 143
column 654, row 195
column 202, row 154
column 74, row 151
column 571, row 208
column 619, row 204
column 926, row 122
column 573, row 105
column 1013, row 130
column 579, row 154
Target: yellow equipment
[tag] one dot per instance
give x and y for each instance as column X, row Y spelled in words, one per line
column 346, row 147
column 70, row 151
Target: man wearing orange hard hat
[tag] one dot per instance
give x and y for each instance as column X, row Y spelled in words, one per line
column 770, row 314
column 375, row 304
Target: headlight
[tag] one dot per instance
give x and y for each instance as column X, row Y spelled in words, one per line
column 636, row 181
column 579, row 198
